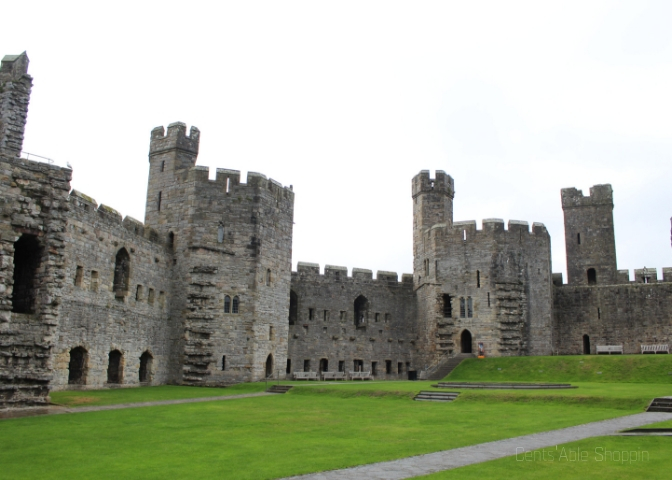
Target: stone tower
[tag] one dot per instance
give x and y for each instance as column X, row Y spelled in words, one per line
column 589, row 236
column 231, row 247
column 15, row 86
column 432, row 210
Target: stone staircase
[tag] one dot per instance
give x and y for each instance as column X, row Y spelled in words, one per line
column 427, row 396
column 448, row 365
column 279, row 389
column 660, row 404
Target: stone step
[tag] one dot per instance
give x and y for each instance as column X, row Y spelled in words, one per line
column 279, row 389
column 436, row 396
column 660, row 404
column 506, row 386
column 444, row 370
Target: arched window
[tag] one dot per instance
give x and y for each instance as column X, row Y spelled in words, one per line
column 77, row 366
column 122, row 270
column 293, row 307
column 592, row 276
column 470, row 307
column 27, row 257
column 361, row 310
column 235, row 305
column 269, row 365
column 227, row 304
column 145, row 372
column 115, row 369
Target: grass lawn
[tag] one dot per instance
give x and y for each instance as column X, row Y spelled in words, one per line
column 86, row 398
column 312, row 428
column 605, row 457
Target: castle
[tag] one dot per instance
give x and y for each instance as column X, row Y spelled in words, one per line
column 202, row 292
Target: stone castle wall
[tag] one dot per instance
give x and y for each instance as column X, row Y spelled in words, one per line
column 324, row 324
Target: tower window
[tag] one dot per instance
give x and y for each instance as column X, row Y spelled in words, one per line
column 94, row 281
column 122, row 267
column 227, row 304
column 488, row 299
column 311, row 314
column 79, row 274
column 293, row 307
column 470, row 307
column 478, row 279
column 578, row 239
column 592, row 276
column 463, row 308
column 163, row 165
column 268, row 277
column 447, row 307
column 235, row 305
column 158, row 203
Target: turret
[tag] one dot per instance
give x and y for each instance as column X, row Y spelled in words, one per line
column 15, row 86
column 589, row 235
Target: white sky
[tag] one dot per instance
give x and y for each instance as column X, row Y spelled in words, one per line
column 348, row 100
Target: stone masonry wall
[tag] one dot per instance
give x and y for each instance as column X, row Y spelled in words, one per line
column 627, row 314
column 99, row 319
column 325, row 326
column 15, row 86
column 33, row 204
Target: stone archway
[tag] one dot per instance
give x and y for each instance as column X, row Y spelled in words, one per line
column 115, row 368
column 465, row 341
column 269, row 365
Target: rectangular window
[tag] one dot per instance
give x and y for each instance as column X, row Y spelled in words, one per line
column 359, row 365
column 163, row 165
column 470, row 307
column 138, row 293
column 79, row 274
column 388, row 366
column 223, row 362
column 578, row 239
column 326, row 315
column 447, row 306
column 488, row 299
column 478, row 279
column 599, row 313
column 289, row 366
column 150, row 297
column 271, row 333
column 388, row 317
column 94, row 281
column 374, row 368
column 342, row 316
column 463, row 308
column 306, row 365
column 162, row 299
column 158, row 203
column 400, row 367
column 311, row 314
column 377, row 317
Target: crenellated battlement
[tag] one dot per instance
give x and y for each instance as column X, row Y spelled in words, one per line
column 90, row 211
column 641, row 275
column 441, row 183
column 175, row 138
column 467, row 230
column 358, row 274
column 229, row 181
column 599, row 195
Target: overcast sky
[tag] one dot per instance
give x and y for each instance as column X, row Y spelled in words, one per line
column 347, row 101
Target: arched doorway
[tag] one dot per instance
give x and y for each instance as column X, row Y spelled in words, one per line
column 592, row 276
column 466, row 341
column 77, row 366
column 324, row 365
column 586, row 345
column 269, row 365
column 114, row 367
column 145, row 372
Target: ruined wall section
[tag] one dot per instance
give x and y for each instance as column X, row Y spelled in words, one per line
column 629, row 314
column 15, row 87
column 324, row 326
column 34, row 203
column 99, row 317
column 590, row 241
column 498, row 283
column 229, row 240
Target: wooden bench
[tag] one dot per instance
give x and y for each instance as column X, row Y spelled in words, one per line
column 655, row 349
column 333, row 375
column 305, row 376
column 360, row 376
column 609, row 349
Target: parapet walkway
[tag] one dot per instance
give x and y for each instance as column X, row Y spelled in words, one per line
column 460, row 457
column 55, row 410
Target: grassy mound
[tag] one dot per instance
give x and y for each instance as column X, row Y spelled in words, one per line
column 575, row 368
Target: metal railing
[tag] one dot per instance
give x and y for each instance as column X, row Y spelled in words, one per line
column 38, row 158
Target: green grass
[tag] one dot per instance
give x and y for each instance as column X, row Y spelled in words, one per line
column 603, row 458
column 563, row 369
column 86, row 398
column 312, row 428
